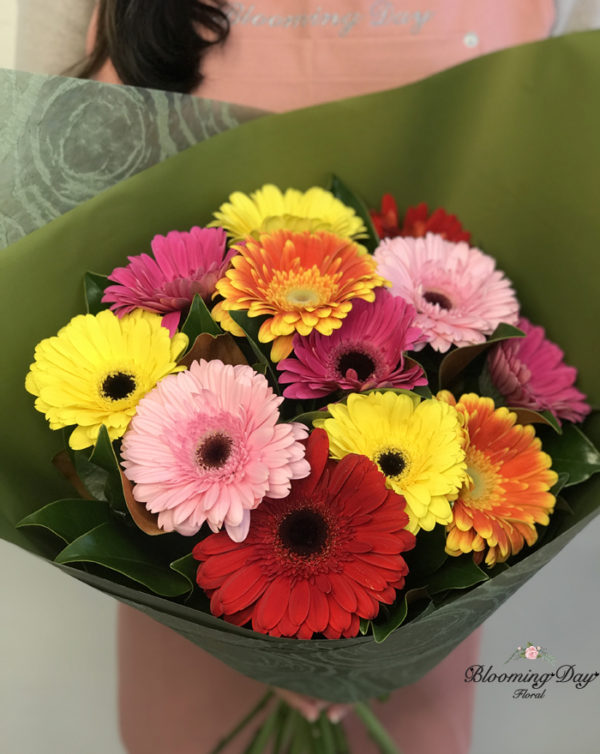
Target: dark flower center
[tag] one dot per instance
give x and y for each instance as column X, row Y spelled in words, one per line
column 434, row 297
column 213, row 452
column 363, row 365
column 392, row 462
column 304, row 532
column 118, row 386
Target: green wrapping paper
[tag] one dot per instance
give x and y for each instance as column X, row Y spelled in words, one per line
column 508, row 142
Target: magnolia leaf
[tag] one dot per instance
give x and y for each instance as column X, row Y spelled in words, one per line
column 187, row 566
column 572, row 453
column 350, row 199
column 457, row 573
column 211, row 347
column 365, row 625
column 428, row 555
column 142, row 517
column 310, row 416
column 94, row 286
column 563, row 478
column 459, row 359
column 251, row 326
column 389, row 619
column 69, row 518
column 104, row 455
column 64, row 464
column 120, row 549
column 529, row 416
column 199, row 320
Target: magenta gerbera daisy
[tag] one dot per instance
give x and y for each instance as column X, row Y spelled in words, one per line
column 366, row 352
column 530, row 373
column 316, row 562
column 459, row 295
column 206, row 446
column 184, row 264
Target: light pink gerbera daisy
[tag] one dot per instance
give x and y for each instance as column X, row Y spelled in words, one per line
column 206, row 446
column 184, row 264
column 530, row 373
column 459, row 295
column 366, row 352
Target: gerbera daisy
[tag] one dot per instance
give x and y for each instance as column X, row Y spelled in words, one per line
column 97, row 369
column 459, row 295
column 366, row 352
column 206, row 446
column 304, row 281
column 269, row 209
column 416, row 222
column 319, row 560
column 416, row 444
column 507, row 490
column 530, row 372
column 184, row 264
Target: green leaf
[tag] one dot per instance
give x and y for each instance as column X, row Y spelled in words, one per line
column 350, row 199
column 69, row 519
column 456, row 361
column 199, row 321
column 310, row 416
column 428, row 555
column 122, row 550
column 94, row 477
column 457, row 573
column 563, row 478
column 94, row 286
column 394, row 617
column 251, row 326
column 365, row 625
column 529, row 416
column 187, row 567
column 104, row 456
column 572, row 453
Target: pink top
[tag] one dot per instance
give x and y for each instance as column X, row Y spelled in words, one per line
column 324, row 50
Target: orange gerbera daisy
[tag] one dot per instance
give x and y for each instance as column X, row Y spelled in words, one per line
column 305, row 281
column 510, row 478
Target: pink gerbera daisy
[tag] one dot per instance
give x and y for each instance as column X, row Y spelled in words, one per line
column 459, row 295
column 206, row 446
column 184, row 264
column 530, row 372
column 366, row 352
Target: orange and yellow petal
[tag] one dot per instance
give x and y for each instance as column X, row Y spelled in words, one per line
column 508, row 490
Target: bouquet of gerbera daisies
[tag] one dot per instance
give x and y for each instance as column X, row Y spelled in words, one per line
column 355, row 429
column 323, row 455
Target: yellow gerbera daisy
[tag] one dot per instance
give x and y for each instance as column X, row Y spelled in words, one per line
column 269, row 209
column 97, row 369
column 417, row 445
column 507, row 491
column 304, row 281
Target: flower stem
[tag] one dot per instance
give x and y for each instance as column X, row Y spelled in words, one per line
column 375, row 729
column 243, row 723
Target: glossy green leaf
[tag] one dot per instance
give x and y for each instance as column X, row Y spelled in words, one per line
column 94, row 477
column 125, row 551
column 389, row 619
column 251, row 326
column 310, row 416
column 339, row 189
column 104, row 456
column 69, row 519
column 458, row 360
column 428, row 555
column 187, row 567
column 572, row 453
column 94, row 286
column 456, row 573
column 199, row 321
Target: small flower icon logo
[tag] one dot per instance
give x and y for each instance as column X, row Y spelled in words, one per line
column 531, row 653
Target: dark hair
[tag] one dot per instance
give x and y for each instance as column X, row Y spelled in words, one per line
column 157, row 43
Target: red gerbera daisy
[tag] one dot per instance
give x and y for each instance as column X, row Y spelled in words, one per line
column 317, row 561
column 416, row 222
